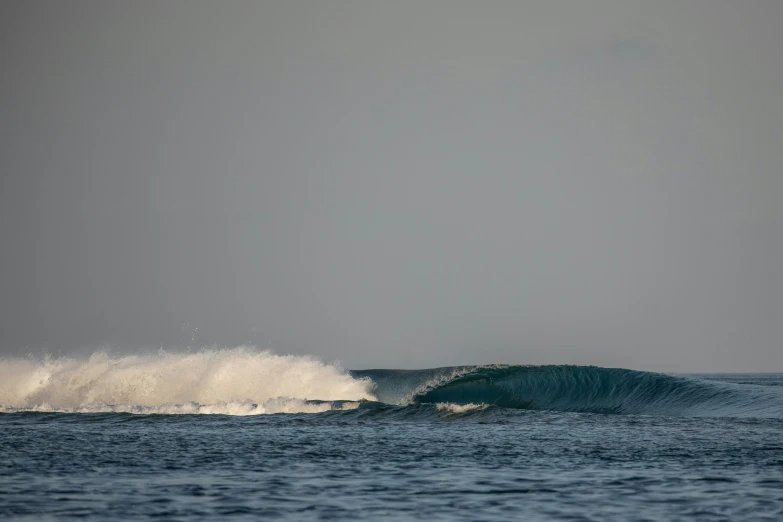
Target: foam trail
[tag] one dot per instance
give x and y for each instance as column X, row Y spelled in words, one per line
column 237, row 381
column 450, row 407
column 238, row 408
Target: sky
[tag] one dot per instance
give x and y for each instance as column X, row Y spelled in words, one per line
column 397, row 184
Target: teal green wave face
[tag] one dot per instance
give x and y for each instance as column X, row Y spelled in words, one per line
column 577, row 389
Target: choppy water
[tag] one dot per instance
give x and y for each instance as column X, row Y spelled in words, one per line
column 128, row 438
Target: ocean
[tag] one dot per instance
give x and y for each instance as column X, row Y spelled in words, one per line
column 241, row 434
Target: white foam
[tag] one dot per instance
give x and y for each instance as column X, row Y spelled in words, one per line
column 233, row 381
column 450, row 407
column 277, row 405
column 446, row 376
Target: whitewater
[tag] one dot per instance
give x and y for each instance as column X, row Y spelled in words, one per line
column 237, row 381
column 246, row 434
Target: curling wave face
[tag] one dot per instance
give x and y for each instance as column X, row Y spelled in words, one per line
column 245, row 381
column 575, row 389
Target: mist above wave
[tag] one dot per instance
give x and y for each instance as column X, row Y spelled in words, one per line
column 238, row 380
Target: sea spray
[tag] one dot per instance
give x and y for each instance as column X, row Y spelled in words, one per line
column 207, row 381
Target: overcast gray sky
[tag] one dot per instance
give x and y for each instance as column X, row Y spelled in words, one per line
column 396, row 183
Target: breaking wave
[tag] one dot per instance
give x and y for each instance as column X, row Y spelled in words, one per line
column 236, row 381
column 245, row 381
column 575, row 389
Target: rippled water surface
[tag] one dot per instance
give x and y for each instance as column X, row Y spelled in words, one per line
column 390, row 462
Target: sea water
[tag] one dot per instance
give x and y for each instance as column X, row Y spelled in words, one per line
column 242, row 434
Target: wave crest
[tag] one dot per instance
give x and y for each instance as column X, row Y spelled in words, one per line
column 231, row 380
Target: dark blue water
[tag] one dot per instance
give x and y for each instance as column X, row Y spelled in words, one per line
column 491, row 443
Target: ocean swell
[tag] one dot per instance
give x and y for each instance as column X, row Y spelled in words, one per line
column 601, row 390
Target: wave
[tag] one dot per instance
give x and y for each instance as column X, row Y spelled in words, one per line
column 586, row 389
column 245, row 381
column 238, row 381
